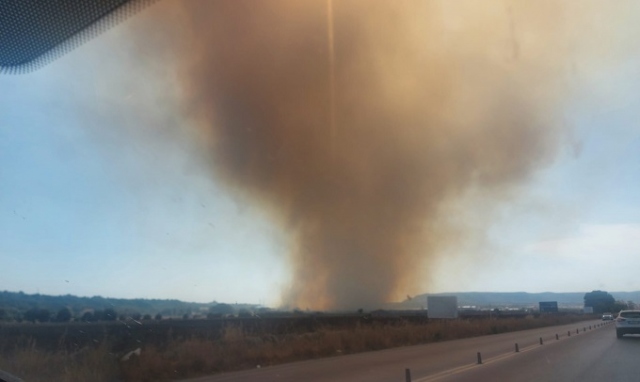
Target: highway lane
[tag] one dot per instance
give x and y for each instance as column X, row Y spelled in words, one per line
column 426, row 362
column 599, row 356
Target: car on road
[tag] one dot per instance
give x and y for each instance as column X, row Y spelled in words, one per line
column 628, row 322
column 607, row 317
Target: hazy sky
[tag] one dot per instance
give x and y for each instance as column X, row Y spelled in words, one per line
column 90, row 206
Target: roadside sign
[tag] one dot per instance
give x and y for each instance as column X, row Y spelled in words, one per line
column 442, row 306
column 548, row 306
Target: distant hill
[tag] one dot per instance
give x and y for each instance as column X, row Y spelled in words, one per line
column 516, row 299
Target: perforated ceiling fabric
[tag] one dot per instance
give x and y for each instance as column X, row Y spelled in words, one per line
column 35, row 32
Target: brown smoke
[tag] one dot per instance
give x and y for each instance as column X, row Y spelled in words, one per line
column 354, row 149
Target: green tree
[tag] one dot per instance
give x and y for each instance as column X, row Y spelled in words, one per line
column 39, row 315
column 109, row 314
column 98, row 315
column 244, row 313
column 600, row 301
column 221, row 309
column 618, row 306
column 30, row 315
column 63, row 315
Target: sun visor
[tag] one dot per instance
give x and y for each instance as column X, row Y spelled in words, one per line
column 34, row 32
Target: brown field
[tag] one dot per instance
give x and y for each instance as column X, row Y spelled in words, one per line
column 180, row 349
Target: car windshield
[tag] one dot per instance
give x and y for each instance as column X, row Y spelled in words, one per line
column 202, row 162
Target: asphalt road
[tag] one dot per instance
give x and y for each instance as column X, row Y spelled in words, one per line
column 597, row 356
column 586, row 355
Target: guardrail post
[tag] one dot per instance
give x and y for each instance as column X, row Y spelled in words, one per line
column 517, row 348
column 407, row 375
column 578, row 331
column 557, row 338
column 568, row 333
column 479, row 359
column 540, row 340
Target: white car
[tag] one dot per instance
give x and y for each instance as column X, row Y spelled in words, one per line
column 628, row 322
column 607, row 317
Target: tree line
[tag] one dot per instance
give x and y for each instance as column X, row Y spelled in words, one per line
column 20, row 306
column 65, row 315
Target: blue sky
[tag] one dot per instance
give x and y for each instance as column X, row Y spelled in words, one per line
column 89, row 206
column 88, row 209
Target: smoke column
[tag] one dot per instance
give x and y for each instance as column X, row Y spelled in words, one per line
column 332, row 69
column 353, row 123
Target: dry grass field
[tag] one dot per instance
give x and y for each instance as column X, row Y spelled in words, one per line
column 237, row 347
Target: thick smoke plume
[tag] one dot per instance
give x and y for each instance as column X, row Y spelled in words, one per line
column 354, row 122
